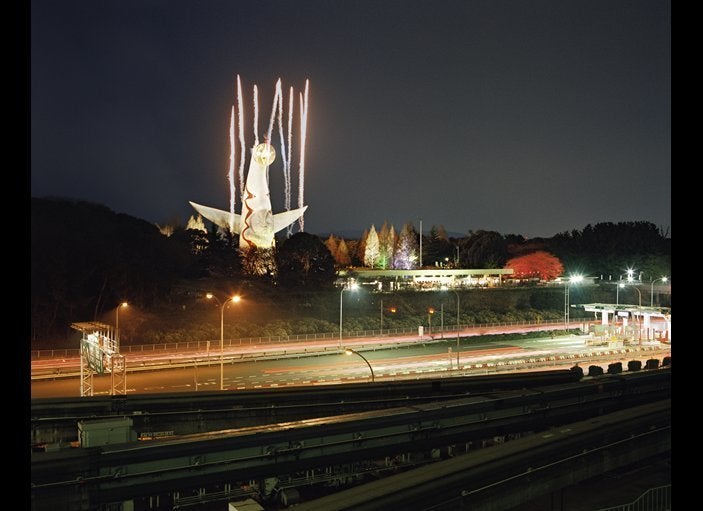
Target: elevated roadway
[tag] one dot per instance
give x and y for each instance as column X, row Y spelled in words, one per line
column 87, row 478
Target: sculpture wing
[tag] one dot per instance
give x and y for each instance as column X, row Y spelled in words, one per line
column 283, row 220
column 217, row 216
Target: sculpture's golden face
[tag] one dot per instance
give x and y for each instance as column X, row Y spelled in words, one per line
column 264, row 154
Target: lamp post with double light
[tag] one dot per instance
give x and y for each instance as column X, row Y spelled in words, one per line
column 233, row 299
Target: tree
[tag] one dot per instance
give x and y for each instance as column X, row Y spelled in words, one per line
column 304, row 261
column 85, row 258
column 331, row 245
column 361, row 248
column 196, row 224
column 438, row 248
column 342, row 257
column 406, row 252
column 260, row 262
column 541, row 265
column 372, row 250
column 386, row 242
column 484, row 249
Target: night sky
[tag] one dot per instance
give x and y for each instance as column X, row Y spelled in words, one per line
column 528, row 117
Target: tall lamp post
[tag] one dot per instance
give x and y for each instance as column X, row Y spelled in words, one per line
column 617, row 292
column 639, row 315
column 117, row 320
column 352, row 287
column 349, row 351
column 430, row 311
column 651, row 290
column 234, row 299
column 574, row 279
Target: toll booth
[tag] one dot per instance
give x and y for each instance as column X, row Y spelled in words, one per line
column 625, row 322
column 100, row 354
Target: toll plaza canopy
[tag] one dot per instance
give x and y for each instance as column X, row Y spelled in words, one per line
column 635, row 310
column 642, row 314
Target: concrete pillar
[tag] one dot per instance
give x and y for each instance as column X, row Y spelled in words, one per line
column 624, row 321
column 604, row 318
column 668, row 328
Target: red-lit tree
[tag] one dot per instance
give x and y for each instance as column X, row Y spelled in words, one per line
column 540, row 264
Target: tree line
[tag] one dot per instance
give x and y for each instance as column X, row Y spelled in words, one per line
column 602, row 250
column 85, row 258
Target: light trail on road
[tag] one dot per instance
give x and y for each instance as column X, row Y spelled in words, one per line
column 409, row 362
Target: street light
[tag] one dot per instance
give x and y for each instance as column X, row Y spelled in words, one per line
column 617, row 292
column 234, row 299
column 430, row 311
column 639, row 315
column 639, row 309
column 349, row 351
column 117, row 320
column 574, row 279
column 651, row 290
column 353, row 287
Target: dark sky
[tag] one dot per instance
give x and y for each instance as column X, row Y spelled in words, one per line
column 528, row 117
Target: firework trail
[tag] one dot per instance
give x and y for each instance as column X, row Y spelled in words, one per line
column 303, row 133
column 242, row 147
column 256, row 116
column 286, row 171
column 230, row 174
column 284, row 156
column 273, row 110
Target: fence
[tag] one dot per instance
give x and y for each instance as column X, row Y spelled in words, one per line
column 215, row 344
column 654, row 499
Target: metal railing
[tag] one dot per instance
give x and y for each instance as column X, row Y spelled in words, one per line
column 654, row 499
column 214, row 344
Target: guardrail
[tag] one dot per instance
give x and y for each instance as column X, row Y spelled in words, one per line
column 278, row 339
column 654, row 499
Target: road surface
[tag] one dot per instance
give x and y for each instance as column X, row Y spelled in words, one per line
column 404, row 362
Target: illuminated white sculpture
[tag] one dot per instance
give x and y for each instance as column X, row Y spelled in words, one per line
column 257, row 225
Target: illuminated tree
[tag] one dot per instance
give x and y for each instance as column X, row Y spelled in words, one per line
column 386, row 241
column 331, row 245
column 260, row 262
column 196, row 224
column 372, row 250
column 406, row 252
column 361, row 247
column 342, row 257
column 540, row 264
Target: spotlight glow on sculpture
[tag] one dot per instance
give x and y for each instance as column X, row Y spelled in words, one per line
column 257, row 225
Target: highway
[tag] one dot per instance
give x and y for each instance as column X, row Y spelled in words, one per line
column 194, row 371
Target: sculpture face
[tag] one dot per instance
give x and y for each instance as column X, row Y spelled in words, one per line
column 264, row 154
